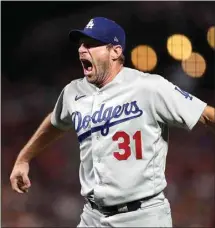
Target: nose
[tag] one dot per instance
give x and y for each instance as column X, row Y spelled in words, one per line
column 82, row 49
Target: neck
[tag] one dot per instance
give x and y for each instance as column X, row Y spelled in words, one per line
column 111, row 75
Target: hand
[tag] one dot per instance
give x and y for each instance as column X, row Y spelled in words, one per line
column 19, row 177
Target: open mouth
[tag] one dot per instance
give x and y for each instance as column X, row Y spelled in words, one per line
column 87, row 65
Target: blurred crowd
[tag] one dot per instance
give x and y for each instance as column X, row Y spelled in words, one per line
column 54, row 198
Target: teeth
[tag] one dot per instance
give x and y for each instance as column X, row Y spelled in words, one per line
column 87, row 65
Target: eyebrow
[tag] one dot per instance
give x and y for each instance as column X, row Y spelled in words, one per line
column 91, row 42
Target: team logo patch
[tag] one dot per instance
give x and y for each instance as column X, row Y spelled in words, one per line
column 184, row 93
column 90, row 24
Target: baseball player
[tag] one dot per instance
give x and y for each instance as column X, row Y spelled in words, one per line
column 121, row 118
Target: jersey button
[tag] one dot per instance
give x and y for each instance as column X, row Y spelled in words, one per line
column 97, row 137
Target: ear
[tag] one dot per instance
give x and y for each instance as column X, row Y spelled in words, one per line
column 115, row 52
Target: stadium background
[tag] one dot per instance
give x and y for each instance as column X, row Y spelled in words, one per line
column 38, row 61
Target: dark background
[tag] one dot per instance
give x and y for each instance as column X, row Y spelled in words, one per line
column 38, row 61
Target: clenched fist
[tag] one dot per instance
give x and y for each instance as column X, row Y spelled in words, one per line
column 19, row 177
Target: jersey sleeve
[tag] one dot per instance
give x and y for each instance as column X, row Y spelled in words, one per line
column 60, row 117
column 175, row 106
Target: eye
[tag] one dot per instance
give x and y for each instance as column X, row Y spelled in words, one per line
column 90, row 43
column 87, row 45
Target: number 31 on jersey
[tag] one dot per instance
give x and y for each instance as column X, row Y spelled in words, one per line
column 125, row 145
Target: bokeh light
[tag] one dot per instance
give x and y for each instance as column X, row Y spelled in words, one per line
column 195, row 65
column 211, row 36
column 144, row 58
column 179, row 47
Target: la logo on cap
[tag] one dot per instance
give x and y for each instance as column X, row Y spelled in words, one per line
column 90, row 24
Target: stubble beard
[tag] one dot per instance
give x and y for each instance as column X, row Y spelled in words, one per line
column 101, row 73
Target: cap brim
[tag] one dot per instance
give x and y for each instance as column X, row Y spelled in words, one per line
column 76, row 35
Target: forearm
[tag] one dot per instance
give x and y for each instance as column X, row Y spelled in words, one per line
column 208, row 118
column 44, row 135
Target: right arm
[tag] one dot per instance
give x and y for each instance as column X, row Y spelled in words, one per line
column 44, row 135
column 176, row 107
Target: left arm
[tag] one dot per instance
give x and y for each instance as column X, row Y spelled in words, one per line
column 208, row 117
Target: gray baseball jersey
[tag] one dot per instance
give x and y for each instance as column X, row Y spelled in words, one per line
column 121, row 131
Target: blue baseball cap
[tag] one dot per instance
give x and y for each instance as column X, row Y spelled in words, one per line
column 103, row 30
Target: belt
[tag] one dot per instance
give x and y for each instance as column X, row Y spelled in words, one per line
column 121, row 208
